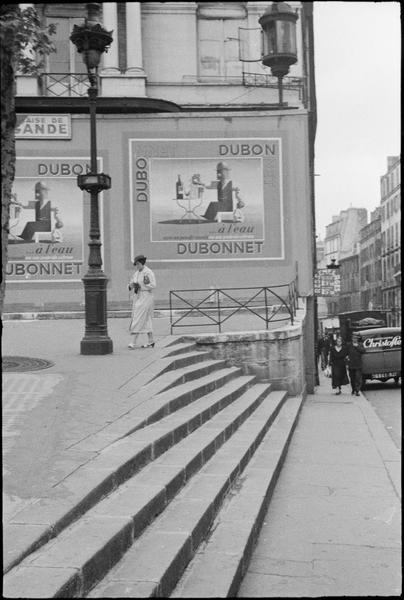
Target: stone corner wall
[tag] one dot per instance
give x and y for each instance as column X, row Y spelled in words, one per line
column 275, row 356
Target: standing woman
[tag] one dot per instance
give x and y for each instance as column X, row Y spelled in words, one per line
column 339, row 376
column 142, row 283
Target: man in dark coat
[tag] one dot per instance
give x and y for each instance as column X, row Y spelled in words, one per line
column 354, row 361
column 324, row 350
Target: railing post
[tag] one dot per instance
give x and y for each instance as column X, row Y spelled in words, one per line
column 171, row 314
column 218, row 311
column 266, row 307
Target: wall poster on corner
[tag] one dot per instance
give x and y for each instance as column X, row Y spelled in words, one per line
column 47, row 220
column 206, row 199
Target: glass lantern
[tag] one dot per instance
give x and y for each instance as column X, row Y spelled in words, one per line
column 279, row 37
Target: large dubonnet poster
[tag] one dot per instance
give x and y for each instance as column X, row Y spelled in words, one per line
column 207, row 199
column 47, row 215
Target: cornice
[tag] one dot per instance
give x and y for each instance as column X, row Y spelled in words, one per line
column 65, row 104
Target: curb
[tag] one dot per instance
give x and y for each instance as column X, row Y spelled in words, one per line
column 74, row 314
column 389, row 454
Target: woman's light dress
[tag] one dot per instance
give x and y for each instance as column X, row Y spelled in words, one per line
column 143, row 302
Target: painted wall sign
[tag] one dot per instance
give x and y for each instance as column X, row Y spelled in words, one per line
column 207, row 199
column 43, row 126
column 45, row 240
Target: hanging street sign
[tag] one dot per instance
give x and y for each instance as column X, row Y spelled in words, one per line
column 327, row 282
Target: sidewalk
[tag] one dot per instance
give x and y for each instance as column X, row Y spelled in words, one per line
column 333, row 523
column 46, row 413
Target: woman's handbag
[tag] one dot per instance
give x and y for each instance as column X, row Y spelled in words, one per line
column 327, row 371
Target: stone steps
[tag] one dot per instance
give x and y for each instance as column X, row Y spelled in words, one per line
column 153, row 564
column 123, row 457
column 174, row 376
column 140, row 510
column 221, row 561
column 105, row 530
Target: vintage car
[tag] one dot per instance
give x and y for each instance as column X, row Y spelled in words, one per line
column 382, row 357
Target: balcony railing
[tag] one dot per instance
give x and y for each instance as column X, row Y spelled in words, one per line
column 77, row 84
column 63, row 84
column 296, row 84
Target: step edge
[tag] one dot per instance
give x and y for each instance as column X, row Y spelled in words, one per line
column 242, row 556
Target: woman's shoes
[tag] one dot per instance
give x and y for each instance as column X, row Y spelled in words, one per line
column 338, row 393
column 131, row 346
column 148, row 345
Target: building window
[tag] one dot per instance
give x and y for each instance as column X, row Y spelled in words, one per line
column 218, row 39
column 66, row 59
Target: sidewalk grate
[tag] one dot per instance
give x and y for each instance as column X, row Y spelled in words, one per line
column 20, row 364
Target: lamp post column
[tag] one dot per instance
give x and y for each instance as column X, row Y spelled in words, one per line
column 96, row 339
column 91, row 40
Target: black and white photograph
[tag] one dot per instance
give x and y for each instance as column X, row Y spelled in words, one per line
column 201, row 299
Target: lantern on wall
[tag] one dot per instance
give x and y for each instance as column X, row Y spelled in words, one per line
column 279, row 40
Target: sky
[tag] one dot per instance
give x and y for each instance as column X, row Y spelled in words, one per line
column 357, row 48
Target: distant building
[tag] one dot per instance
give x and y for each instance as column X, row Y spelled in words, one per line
column 342, row 233
column 341, row 239
column 370, row 263
column 350, row 298
column 390, row 187
column 320, row 254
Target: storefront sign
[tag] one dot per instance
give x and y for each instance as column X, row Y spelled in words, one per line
column 327, row 283
column 383, row 342
column 43, row 126
column 207, row 199
column 46, row 227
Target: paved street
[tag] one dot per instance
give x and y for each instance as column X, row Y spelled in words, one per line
column 386, row 400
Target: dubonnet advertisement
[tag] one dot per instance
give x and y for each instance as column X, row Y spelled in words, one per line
column 45, row 240
column 207, row 199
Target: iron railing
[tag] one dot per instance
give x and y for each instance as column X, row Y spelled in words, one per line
column 63, row 84
column 216, row 306
column 77, row 84
column 297, row 84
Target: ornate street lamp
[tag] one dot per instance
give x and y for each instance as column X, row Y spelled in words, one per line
column 279, row 44
column 91, row 40
column 332, row 265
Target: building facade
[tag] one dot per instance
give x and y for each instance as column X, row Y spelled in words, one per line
column 370, row 263
column 390, row 188
column 349, row 297
column 166, row 117
column 184, row 101
column 341, row 240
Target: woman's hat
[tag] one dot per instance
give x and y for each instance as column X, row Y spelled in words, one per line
column 140, row 258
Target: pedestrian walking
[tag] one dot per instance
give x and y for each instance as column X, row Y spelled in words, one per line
column 142, row 283
column 337, row 356
column 324, row 350
column 354, row 362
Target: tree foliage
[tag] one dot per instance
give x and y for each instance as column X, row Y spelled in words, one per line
column 29, row 41
column 24, row 44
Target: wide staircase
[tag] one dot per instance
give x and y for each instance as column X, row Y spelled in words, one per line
column 173, row 505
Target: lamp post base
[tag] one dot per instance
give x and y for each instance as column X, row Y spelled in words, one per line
column 96, row 346
column 96, row 339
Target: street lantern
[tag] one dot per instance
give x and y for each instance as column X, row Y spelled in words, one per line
column 332, row 265
column 279, row 40
column 91, row 40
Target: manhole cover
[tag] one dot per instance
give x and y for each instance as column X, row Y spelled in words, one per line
column 19, row 364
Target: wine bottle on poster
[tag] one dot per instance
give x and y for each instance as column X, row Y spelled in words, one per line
column 179, row 189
